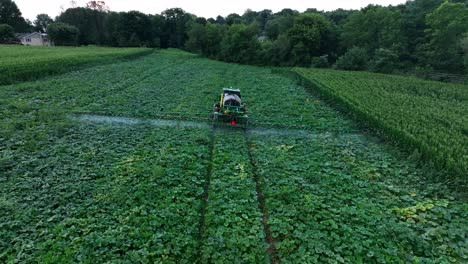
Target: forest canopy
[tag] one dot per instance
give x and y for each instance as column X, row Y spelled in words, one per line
column 418, row 36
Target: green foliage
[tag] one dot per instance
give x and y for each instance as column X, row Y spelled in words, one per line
column 278, row 53
column 278, row 26
column 196, row 38
column 234, row 223
column 464, row 44
column 372, row 28
column 446, row 27
column 133, row 29
column 421, row 33
column 332, row 199
column 414, row 19
column 339, row 16
column 320, row 62
column 308, row 37
column 240, row 44
column 288, row 37
column 174, row 28
column 77, row 190
column 89, row 22
column 19, row 63
column 384, row 61
column 354, row 59
column 233, row 19
column 421, row 115
column 42, row 22
column 204, row 39
column 7, row 33
column 63, row 34
column 11, row 15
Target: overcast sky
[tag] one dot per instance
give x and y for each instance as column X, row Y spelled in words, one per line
column 204, row 8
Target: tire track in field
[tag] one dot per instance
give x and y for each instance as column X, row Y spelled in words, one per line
column 204, row 197
column 271, row 250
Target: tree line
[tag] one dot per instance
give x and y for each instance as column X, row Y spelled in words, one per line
column 418, row 36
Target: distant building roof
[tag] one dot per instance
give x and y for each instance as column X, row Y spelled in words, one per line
column 24, row 35
column 21, row 35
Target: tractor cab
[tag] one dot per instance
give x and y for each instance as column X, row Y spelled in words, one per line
column 230, row 108
column 231, row 97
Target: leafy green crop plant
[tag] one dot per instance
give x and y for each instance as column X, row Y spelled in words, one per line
column 18, row 63
column 427, row 118
column 234, row 231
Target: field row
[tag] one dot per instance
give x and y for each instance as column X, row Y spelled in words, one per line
column 136, row 194
column 428, row 118
column 18, row 63
column 76, row 191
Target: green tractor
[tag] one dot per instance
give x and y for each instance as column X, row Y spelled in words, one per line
column 230, row 108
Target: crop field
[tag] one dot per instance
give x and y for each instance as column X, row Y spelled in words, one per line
column 19, row 63
column 89, row 174
column 430, row 117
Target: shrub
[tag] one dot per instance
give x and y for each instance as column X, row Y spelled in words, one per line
column 63, row 34
column 7, row 33
column 320, row 62
column 354, row 59
column 385, row 61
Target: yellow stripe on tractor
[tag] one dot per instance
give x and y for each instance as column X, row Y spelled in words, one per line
column 222, row 101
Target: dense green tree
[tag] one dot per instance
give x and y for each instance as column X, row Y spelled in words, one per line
column 339, row 16
column 11, row 15
column 278, row 25
column 385, row 61
column 42, row 22
column 427, row 34
column 372, row 28
column 320, row 62
column 110, row 24
column 338, row 19
column 175, row 27
column 313, row 11
column 157, row 27
column 220, row 20
column 214, row 36
column 63, row 34
column 7, row 33
column 240, row 44
column 464, row 44
column 204, row 39
column 278, row 53
column 263, row 17
column 287, row 12
column 354, row 59
column 414, row 21
column 249, row 16
column 201, row 20
column 446, row 27
column 272, row 29
column 90, row 23
column 211, row 20
column 134, row 29
column 233, row 19
column 309, row 38
column 196, row 38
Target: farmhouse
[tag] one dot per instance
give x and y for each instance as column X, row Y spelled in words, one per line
column 34, row 39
